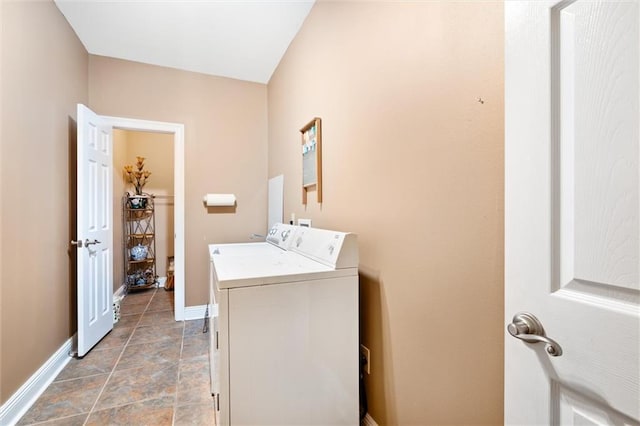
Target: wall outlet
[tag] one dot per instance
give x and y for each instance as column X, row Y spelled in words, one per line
column 367, row 355
column 304, row 222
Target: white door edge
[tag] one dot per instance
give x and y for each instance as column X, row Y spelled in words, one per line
column 177, row 130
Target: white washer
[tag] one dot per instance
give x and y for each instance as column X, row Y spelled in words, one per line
column 284, row 337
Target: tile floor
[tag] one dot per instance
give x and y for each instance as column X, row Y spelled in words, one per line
column 150, row 370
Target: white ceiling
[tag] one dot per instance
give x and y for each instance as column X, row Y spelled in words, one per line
column 241, row 39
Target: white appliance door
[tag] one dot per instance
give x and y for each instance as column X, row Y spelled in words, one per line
column 572, row 211
column 94, row 229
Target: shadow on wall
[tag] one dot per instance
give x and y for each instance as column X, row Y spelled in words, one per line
column 73, row 222
column 221, row 210
column 372, row 335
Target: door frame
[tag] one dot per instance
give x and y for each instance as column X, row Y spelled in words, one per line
column 177, row 130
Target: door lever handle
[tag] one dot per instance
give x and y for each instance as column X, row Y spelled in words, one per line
column 527, row 327
column 85, row 243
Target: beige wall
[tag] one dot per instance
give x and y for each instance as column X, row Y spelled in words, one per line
column 157, row 148
column 44, row 75
column 225, row 146
column 413, row 163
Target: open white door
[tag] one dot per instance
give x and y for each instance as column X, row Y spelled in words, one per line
column 572, row 213
column 94, row 233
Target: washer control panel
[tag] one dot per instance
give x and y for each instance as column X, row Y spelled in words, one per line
column 281, row 235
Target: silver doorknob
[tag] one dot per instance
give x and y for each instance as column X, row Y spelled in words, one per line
column 78, row 243
column 527, row 327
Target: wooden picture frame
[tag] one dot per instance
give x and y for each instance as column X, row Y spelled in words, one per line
column 312, row 158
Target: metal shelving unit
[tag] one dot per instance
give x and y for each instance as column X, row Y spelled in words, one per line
column 139, row 242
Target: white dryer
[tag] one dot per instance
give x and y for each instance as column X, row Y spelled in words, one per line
column 284, row 337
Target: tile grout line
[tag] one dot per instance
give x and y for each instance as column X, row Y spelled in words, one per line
column 48, row 421
column 124, row 347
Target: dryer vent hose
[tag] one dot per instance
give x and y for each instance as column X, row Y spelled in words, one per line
column 363, row 393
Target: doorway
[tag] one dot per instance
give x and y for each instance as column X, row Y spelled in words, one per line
column 176, row 133
column 156, row 150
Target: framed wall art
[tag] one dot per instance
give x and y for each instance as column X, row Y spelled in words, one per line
column 312, row 159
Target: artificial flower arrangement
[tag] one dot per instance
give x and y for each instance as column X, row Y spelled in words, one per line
column 137, row 175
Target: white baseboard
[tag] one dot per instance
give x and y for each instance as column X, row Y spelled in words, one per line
column 16, row 406
column 195, row 312
column 161, row 281
column 368, row 421
column 122, row 290
column 120, row 293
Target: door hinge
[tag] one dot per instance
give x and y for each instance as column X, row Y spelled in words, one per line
column 217, row 346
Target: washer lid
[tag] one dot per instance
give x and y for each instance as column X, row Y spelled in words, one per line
column 272, row 268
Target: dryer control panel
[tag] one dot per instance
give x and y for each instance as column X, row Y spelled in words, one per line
column 331, row 248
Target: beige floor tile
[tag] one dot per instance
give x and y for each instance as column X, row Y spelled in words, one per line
column 147, row 334
column 67, row 421
column 153, row 412
column 95, row 362
column 150, row 354
column 141, row 295
column 65, row 398
column 194, row 381
column 159, row 317
column 160, row 306
column 133, row 308
column 128, row 320
column 195, row 415
column 163, row 298
column 193, row 327
column 117, row 338
column 196, row 345
column 138, row 384
column 137, row 298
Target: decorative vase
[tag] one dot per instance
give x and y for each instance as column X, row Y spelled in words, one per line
column 139, row 252
column 138, row 201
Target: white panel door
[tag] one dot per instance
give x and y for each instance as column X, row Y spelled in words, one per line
column 572, row 210
column 94, row 229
